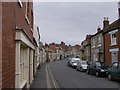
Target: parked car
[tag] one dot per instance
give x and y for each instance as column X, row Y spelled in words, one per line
column 114, row 71
column 82, row 65
column 96, row 68
column 74, row 62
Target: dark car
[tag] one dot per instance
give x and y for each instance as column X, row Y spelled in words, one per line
column 97, row 69
column 114, row 71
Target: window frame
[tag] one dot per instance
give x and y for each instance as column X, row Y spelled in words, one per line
column 111, row 33
column 26, row 13
column 20, row 3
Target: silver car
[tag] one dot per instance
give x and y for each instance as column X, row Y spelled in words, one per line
column 74, row 62
column 82, row 65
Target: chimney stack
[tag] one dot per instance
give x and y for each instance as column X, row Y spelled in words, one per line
column 105, row 22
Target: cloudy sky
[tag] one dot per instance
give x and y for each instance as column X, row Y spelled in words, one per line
column 71, row 21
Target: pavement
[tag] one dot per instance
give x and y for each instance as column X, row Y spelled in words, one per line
column 40, row 78
column 44, row 79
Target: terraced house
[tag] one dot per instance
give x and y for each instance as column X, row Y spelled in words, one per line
column 85, row 51
column 97, row 43
column 17, row 41
column 112, row 42
column 97, row 46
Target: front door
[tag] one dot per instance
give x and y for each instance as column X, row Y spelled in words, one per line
column 114, row 56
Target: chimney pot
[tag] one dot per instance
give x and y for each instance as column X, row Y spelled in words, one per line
column 98, row 29
column 105, row 22
column 105, row 18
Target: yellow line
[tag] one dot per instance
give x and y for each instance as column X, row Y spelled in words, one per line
column 53, row 80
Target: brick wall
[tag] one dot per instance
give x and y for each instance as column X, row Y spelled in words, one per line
column 21, row 21
column 0, row 45
column 12, row 15
column 8, row 45
column 107, row 47
column 118, row 41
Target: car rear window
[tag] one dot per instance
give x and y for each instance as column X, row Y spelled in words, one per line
column 98, row 64
column 84, row 62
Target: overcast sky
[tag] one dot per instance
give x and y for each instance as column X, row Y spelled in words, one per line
column 71, row 21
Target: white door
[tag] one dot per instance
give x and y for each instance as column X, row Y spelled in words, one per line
column 114, row 56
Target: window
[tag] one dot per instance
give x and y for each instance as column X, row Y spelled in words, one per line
column 93, row 42
column 99, row 40
column 87, row 51
column 113, row 39
column 27, row 12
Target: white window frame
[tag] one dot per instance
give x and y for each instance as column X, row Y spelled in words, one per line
column 20, row 3
column 113, row 40
column 93, row 43
column 99, row 40
column 111, row 37
column 26, row 17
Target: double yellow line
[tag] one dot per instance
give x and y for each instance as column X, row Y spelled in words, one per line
column 52, row 79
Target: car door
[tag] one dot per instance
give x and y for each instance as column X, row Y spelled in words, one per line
column 118, row 71
column 94, row 68
column 114, row 70
column 90, row 67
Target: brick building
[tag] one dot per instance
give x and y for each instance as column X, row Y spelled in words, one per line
column 112, row 42
column 17, row 44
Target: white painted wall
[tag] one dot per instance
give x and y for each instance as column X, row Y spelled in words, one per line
column 24, row 57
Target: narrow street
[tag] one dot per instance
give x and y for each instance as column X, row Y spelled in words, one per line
column 67, row 77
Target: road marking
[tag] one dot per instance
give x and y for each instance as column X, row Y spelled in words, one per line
column 50, row 77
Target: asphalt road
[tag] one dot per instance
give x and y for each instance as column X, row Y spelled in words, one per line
column 67, row 77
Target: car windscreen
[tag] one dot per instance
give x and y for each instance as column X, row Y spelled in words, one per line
column 98, row 64
column 76, row 61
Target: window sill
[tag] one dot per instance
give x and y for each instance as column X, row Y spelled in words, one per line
column 113, row 44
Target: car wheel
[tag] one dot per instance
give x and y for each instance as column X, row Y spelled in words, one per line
column 81, row 69
column 97, row 74
column 109, row 77
column 77, row 68
column 88, row 72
